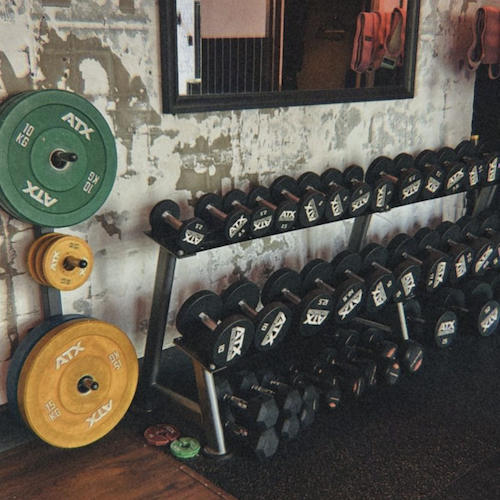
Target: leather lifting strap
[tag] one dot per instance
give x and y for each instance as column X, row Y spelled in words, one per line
column 366, row 41
column 485, row 48
column 395, row 39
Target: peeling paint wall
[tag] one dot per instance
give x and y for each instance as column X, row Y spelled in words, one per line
column 107, row 51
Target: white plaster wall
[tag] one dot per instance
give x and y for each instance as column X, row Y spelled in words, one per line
column 112, row 58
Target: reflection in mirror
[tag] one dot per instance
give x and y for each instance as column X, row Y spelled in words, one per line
column 225, row 54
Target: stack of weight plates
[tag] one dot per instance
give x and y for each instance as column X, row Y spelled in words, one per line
column 57, row 158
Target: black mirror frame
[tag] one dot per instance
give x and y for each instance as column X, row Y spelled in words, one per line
column 173, row 103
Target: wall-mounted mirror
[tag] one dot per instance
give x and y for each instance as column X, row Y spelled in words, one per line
column 235, row 54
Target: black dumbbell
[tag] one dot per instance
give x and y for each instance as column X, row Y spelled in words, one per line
column 335, row 361
column 331, row 181
column 188, row 235
column 438, row 326
column 434, row 265
column 288, row 398
column 455, row 171
column 311, row 312
column 380, row 177
column 271, row 323
column 489, row 151
column 352, row 383
column 484, row 249
column 373, row 342
column 288, row 428
column 379, row 283
column 341, row 337
column 311, row 204
column 224, row 343
column 361, row 192
column 306, row 414
column 387, row 370
column 490, row 228
column 262, row 443
column 261, row 217
column 433, row 174
column 411, row 352
column 285, row 213
column 406, row 275
column 474, row 306
column 336, row 202
column 347, row 295
column 234, row 225
column 445, row 238
column 410, row 179
column 477, row 172
column 310, row 393
column 260, row 411
column 329, row 386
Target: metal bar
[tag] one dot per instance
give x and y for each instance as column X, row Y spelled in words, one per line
column 484, row 199
column 157, row 324
column 358, row 232
column 210, row 414
column 178, row 398
column 402, row 320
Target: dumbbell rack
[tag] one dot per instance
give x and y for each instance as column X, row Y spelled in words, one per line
column 207, row 410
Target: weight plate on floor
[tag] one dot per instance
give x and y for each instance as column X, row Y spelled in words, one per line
column 22, row 352
column 161, row 434
column 77, row 382
column 67, row 263
column 185, row 447
column 60, row 158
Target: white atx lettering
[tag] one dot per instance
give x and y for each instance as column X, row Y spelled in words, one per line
column 100, row 413
column 78, row 125
column 379, row 296
column 411, row 189
column 288, row 216
column 455, row 179
column 360, row 202
column 336, row 205
column 193, row 238
column 261, row 224
column 438, row 278
column 238, row 226
column 316, row 317
column 381, row 196
column 461, row 267
column 54, row 260
column 483, row 261
column 432, row 185
column 39, row 195
column 492, row 170
column 408, row 282
column 274, row 329
column 473, row 176
column 70, row 354
column 311, row 211
column 351, row 305
column 446, row 328
column 236, row 342
column 490, row 320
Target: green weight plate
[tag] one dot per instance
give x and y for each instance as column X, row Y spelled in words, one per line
column 185, row 447
column 23, row 351
column 38, row 189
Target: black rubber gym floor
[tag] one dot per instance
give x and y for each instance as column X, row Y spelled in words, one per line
column 434, row 436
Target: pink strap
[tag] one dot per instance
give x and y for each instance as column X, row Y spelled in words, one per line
column 366, row 41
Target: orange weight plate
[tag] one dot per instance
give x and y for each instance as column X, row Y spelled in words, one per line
column 32, row 254
column 39, row 255
column 77, row 382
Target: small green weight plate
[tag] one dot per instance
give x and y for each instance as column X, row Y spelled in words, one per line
column 33, row 185
column 185, row 447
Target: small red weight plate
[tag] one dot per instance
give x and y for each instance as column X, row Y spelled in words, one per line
column 161, row 434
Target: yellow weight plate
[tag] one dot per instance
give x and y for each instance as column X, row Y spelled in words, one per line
column 78, row 382
column 67, row 263
column 32, row 256
column 39, row 254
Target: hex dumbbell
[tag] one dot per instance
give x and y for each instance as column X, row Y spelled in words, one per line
column 234, row 225
column 271, row 323
column 311, row 312
column 225, row 342
column 347, row 296
column 311, row 204
column 188, row 235
column 261, row 217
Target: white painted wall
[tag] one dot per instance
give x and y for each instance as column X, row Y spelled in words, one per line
column 112, row 58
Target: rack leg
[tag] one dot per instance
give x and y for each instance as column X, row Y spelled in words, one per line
column 156, row 332
column 358, row 232
column 216, row 446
